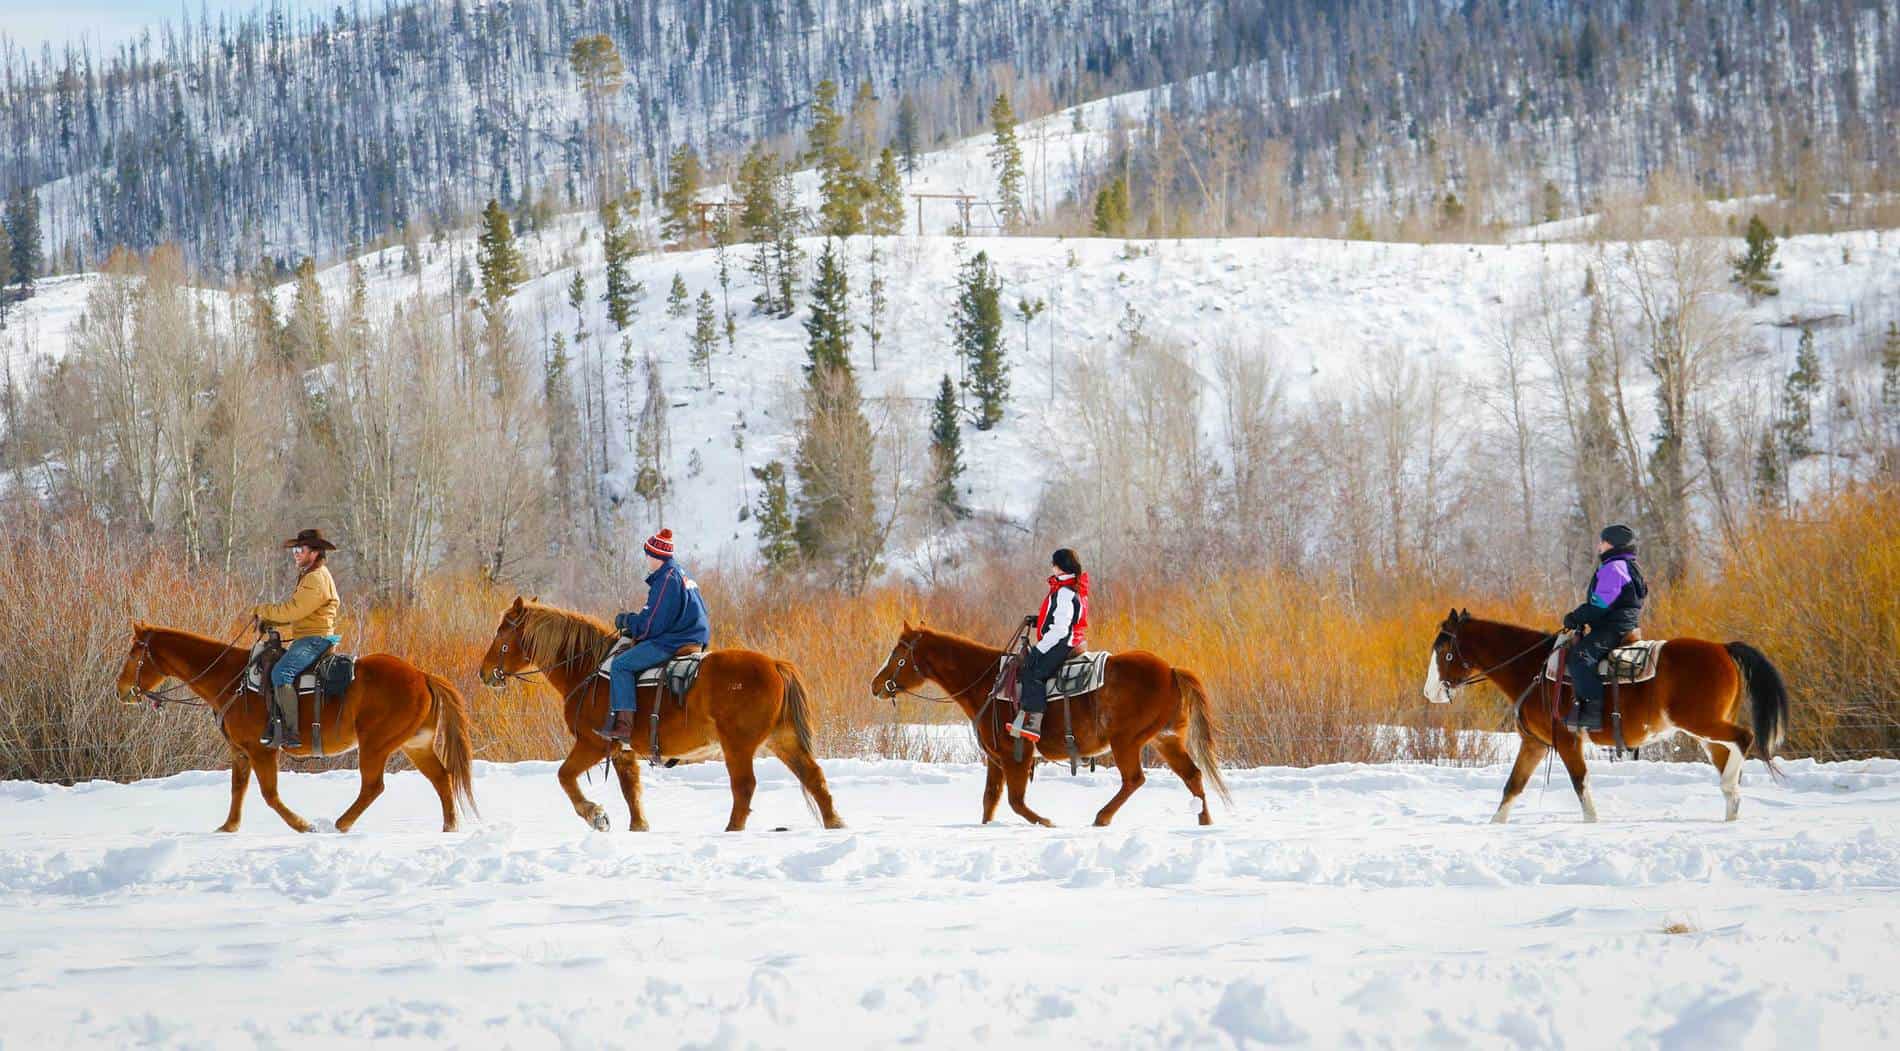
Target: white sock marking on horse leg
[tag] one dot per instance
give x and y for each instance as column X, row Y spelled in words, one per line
column 1731, row 779
column 1504, row 812
column 1589, row 804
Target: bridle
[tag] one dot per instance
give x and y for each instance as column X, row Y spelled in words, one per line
column 1483, row 674
column 891, row 689
column 502, row 675
column 167, row 695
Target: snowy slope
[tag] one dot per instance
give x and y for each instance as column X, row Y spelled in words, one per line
column 1366, row 906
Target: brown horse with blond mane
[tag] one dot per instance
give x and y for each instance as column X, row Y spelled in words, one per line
column 1697, row 689
column 1142, row 700
column 392, row 706
column 742, row 701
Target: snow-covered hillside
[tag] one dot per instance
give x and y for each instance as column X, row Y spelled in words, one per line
column 1342, row 906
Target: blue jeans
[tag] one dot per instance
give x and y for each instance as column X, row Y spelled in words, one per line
column 624, row 672
column 298, row 657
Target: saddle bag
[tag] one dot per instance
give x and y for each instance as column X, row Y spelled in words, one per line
column 335, row 672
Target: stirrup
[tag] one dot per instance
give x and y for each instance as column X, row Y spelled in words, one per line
column 1019, row 728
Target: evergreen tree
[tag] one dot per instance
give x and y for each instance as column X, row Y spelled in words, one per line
column 884, row 213
column 309, row 327
column 683, row 178
column 1754, row 267
column 1770, row 480
column 23, row 233
column 876, row 301
column 837, row 525
column 1553, row 202
column 829, row 327
column 1006, row 157
column 722, row 242
column 6, row 278
column 908, row 136
column 778, row 540
column 676, row 298
column 558, row 398
column 705, row 334
column 841, row 189
column 785, row 252
column 497, row 258
column 946, row 453
column 623, row 291
column 1112, row 209
column 977, row 332
column 1797, row 400
column 1890, row 370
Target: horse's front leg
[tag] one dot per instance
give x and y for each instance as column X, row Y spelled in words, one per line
column 627, row 769
column 264, row 761
column 240, row 783
column 992, row 790
column 1570, row 750
column 585, row 754
column 1530, row 752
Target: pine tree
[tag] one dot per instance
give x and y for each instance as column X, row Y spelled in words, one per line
column 977, row 332
column 907, row 138
column 623, row 292
column 1754, row 267
column 497, row 258
column 785, row 252
column 652, row 445
column 1890, row 369
column 884, row 213
column 1770, row 480
column 558, row 399
column 676, row 298
column 841, row 189
column 705, row 335
column 946, row 453
column 722, row 243
column 309, row 327
column 1111, row 208
column 1553, row 202
column 778, row 540
column 1006, row 157
column 23, row 232
column 876, row 301
column 829, row 327
column 6, row 278
column 683, row 178
column 863, row 119
column 1797, row 400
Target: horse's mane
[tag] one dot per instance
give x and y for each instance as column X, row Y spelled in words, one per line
column 550, row 633
column 955, row 639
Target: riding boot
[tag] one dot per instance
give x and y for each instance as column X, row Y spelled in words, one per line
column 284, row 705
column 1587, row 715
column 618, row 727
column 1028, row 726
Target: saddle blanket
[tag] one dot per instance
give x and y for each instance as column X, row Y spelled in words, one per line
column 1624, row 666
column 679, row 673
column 1080, row 674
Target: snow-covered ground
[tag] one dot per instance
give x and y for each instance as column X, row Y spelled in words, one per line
column 1354, row 906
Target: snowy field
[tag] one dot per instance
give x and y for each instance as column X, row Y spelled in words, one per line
column 1354, row 906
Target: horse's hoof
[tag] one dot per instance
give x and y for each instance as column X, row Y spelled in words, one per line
column 834, row 822
column 227, row 828
column 1206, row 818
column 599, row 821
column 637, row 826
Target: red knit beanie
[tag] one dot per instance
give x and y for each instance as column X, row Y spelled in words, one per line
column 660, row 544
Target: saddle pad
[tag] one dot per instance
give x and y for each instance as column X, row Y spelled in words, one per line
column 1083, row 673
column 1632, row 664
column 605, row 670
column 332, row 673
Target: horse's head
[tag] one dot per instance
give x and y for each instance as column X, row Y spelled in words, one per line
column 139, row 672
column 1449, row 668
column 506, row 655
column 900, row 673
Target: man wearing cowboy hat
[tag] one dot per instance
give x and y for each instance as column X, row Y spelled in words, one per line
column 309, row 621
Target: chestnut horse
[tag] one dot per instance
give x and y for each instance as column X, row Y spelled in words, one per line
column 1697, row 687
column 741, row 702
column 393, row 705
column 1142, row 699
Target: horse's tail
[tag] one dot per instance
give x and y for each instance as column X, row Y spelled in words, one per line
column 798, row 714
column 451, row 739
column 1767, row 695
column 1200, row 731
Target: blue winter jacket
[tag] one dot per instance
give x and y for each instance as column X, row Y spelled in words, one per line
column 674, row 615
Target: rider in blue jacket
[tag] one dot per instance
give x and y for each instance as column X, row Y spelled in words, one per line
column 1610, row 610
column 673, row 617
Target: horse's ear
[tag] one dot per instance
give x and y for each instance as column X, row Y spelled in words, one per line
column 906, row 625
column 516, row 608
column 1464, row 615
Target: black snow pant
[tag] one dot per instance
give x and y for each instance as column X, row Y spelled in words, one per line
column 1038, row 666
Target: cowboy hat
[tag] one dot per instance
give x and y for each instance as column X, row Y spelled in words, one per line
column 310, row 538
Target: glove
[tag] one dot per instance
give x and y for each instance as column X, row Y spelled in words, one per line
column 1570, row 621
column 620, row 623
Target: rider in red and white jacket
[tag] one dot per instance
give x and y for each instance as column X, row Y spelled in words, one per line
column 1061, row 626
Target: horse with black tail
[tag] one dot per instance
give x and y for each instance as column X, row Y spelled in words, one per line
column 1697, row 689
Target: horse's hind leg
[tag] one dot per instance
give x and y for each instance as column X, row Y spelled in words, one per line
column 739, row 770
column 1174, row 753
column 1726, row 744
column 240, row 781
column 584, row 754
column 372, row 763
column 1529, row 753
column 1128, row 761
column 1570, row 750
column 425, row 762
column 627, row 771
column 266, row 767
column 799, row 761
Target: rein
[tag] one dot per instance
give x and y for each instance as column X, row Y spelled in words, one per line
column 891, row 689
column 166, row 695
column 1481, row 676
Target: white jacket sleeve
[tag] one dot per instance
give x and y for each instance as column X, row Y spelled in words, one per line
column 1061, row 622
